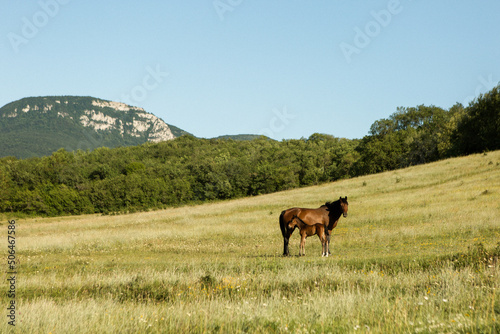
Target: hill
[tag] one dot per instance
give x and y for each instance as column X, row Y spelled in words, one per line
column 38, row 126
column 241, row 137
column 174, row 172
column 418, row 253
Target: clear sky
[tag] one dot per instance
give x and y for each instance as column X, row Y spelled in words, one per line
column 286, row 69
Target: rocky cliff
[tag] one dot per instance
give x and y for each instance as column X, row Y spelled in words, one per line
column 38, row 126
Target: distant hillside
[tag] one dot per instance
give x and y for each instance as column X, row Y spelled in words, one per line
column 241, row 137
column 38, row 126
column 178, row 132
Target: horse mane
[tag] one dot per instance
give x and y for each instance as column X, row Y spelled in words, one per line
column 331, row 205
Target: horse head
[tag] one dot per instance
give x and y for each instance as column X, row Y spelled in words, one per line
column 344, row 206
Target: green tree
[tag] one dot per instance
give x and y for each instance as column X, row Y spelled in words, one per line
column 381, row 153
column 479, row 129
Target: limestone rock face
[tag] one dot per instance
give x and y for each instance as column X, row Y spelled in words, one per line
column 78, row 122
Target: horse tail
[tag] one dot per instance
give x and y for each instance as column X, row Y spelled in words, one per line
column 282, row 223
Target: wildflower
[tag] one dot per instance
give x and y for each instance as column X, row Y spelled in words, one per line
column 445, row 300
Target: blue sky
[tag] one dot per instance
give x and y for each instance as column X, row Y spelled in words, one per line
column 286, row 69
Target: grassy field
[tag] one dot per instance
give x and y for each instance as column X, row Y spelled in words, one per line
column 417, row 254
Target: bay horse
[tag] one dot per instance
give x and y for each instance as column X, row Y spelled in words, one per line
column 327, row 215
column 308, row 230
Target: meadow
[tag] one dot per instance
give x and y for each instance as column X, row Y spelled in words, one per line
column 418, row 253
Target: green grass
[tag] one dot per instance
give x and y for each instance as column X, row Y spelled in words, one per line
column 418, row 253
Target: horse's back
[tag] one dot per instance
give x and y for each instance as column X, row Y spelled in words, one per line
column 307, row 215
column 288, row 214
column 313, row 216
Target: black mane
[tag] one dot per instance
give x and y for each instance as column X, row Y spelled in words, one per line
column 335, row 205
column 332, row 205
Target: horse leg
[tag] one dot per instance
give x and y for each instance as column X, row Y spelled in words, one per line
column 286, row 252
column 321, row 239
column 286, row 231
column 302, row 248
column 328, row 241
column 325, row 247
column 327, row 244
column 286, row 240
column 289, row 234
column 324, row 250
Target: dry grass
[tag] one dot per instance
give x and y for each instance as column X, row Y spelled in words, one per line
column 405, row 260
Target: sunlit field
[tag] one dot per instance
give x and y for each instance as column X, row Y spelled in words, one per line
column 418, row 253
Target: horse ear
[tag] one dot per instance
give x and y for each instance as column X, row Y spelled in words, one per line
column 346, row 198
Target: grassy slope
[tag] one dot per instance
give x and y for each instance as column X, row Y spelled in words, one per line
column 401, row 262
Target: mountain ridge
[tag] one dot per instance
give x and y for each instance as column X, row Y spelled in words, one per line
column 37, row 126
column 241, row 137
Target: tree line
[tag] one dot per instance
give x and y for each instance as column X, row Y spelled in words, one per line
column 192, row 170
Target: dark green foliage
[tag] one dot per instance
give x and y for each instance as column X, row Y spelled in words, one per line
column 177, row 132
column 180, row 171
column 479, row 129
column 208, row 281
column 410, row 136
column 192, row 170
column 424, row 134
column 241, row 137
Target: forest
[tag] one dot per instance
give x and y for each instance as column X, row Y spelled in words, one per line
column 190, row 170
